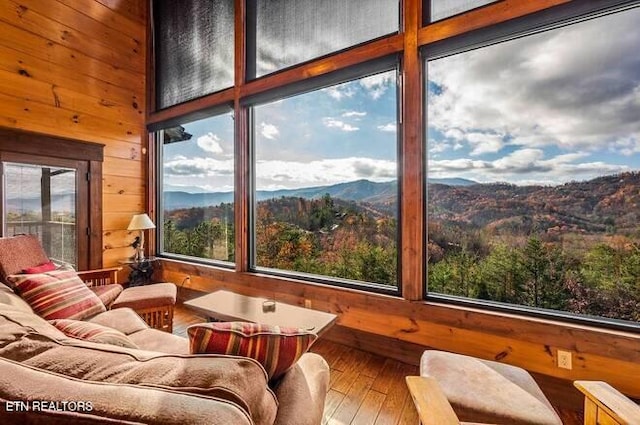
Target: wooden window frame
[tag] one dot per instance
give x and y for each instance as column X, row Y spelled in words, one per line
column 86, row 158
column 509, row 16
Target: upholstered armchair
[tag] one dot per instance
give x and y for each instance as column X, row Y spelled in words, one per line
column 154, row 303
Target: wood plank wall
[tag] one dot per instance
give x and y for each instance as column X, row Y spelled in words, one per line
column 76, row 69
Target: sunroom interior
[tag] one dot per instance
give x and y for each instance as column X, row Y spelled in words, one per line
column 453, row 175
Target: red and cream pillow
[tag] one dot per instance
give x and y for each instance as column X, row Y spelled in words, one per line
column 275, row 348
column 58, row 294
column 42, row 268
column 93, row 332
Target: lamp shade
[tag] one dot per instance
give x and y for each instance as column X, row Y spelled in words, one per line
column 141, row 222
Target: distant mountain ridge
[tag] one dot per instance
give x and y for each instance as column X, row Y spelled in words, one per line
column 358, row 190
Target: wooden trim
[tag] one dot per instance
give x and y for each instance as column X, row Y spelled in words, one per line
column 86, row 159
column 412, row 174
column 606, row 405
column 482, row 17
column 190, row 110
column 150, row 75
column 242, row 164
column 95, row 215
column 151, row 192
column 40, row 144
column 430, row 402
column 345, row 59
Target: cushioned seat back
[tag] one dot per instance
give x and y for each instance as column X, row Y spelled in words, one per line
column 18, row 253
column 30, row 341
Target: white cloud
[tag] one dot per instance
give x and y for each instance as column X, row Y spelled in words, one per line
column 210, row 143
column 199, row 167
column 524, row 166
column 269, row 131
column 340, row 92
column 391, row 127
column 277, row 174
column 350, row 114
column 334, row 123
column 574, row 88
column 376, row 85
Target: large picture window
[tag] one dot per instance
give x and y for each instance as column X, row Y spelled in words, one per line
column 326, row 182
column 198, row 189
column 533, row 170
column 283, row 33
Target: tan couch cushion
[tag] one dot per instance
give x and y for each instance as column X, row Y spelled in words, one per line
column 487, row 391
column 164, row 342
column 141, row 297
column 10, row 299
column 110, row 403
column 18, row 253
column 125, row 320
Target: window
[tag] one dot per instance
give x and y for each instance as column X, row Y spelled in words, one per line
column 325, row 199
column 197, row 200
column 41, row 200
column 286, row 33
column 52, row 187
column 533, row 170
column 437, row 10
column 194, row 54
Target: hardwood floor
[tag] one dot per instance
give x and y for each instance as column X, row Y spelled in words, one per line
column 365, row 388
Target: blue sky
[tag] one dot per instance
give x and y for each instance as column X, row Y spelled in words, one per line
column 546, row 109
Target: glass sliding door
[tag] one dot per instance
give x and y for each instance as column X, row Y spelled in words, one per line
column 41, row 200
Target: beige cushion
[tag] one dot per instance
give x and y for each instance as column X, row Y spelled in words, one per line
column 141, row 297
column 164, row 342
column 8, row 298
column 107, row 293
column 110, row 403
column 18, row 253
column 125, row 320
column 487, row 391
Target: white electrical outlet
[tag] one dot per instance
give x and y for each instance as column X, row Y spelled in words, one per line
column 564, row 359
column 307, row 303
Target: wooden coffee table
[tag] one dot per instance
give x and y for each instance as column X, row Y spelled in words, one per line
column 228, row 306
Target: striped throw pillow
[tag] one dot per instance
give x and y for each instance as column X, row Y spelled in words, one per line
column 92, row 332
column 275, row 348
column 58, row 294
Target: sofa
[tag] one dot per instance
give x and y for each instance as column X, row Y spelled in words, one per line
column 49, row 378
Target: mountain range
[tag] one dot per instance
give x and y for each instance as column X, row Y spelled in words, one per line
column 358, row 190
column 598, row 205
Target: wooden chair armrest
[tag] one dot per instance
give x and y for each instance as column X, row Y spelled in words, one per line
column 99, row 277
column 602, row 396
column 431, row 403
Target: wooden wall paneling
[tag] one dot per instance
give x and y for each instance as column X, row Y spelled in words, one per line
column 107, row 16
column 76, row 69
column 32, row 67
column 33, row 116
column 134, row 10
column 482, row 17
column 86, row 25
column 124, row 168
column 15, row 12
column 82, row 63
column 20, row 86
column 412, row 173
